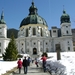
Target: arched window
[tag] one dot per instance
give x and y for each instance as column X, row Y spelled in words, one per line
column 34, row 31
column 67, row 32
column 27, row 32
column 41, row 31
column 34, row 51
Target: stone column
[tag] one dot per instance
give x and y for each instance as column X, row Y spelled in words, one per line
column 31, row 51
column 38, row 48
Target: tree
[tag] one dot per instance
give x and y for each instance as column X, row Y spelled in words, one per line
column 11, row 52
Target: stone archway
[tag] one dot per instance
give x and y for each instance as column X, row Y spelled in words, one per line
column 34, row 51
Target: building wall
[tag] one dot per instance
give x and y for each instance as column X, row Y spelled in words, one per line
column 3, row 31
column 3, row 44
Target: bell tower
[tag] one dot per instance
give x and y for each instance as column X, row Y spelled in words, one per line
column 66, row 32
column 65, row 24
column 3, row 27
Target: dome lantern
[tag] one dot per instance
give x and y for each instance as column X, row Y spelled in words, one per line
column 32, row 9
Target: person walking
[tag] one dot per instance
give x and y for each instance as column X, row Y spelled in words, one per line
column 25, row 65
column 32, row 60
column 19, row 65
column 36, row 62
column 29, row 60
column 44, row 58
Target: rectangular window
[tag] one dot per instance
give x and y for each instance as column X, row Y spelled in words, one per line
column 54, row 31
column 0, row 50
column 0, row 44
column 41, row 32
column 69, row 48
column 27, row 32
column 67, row 32
column 34, row 31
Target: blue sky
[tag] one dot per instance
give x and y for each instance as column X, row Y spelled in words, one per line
column 51, row 10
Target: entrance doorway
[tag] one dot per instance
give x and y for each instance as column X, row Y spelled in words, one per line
column 34, row 51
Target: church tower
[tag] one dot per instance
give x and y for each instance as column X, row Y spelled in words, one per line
column 66, row 33
column 3, row 34
column 3, row 27
column 65, row 24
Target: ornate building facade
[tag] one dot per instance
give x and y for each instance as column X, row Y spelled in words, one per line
column 34, row 37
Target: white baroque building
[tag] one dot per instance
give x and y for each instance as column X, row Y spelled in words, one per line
column 34, row 37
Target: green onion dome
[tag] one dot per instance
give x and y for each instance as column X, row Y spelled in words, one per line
column 65, row 18
column 33, row 17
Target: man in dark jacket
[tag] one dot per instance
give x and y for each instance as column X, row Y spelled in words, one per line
column 25, row 65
